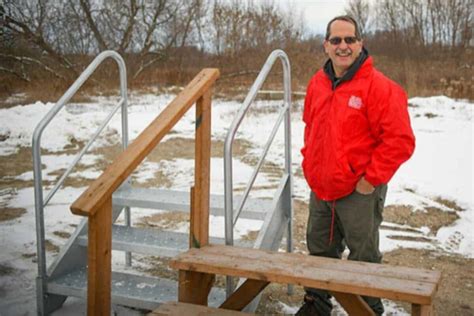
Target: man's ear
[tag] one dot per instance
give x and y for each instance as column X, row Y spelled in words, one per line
column 361, row 46
column 325, row 46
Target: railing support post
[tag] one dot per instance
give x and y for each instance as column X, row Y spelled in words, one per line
column 230, row 218
column 194, row 287
column 202, row 165
column 99, row 255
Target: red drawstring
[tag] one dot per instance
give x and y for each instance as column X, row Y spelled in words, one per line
column 331, row 233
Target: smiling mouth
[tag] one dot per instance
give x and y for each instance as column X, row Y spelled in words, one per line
column 343, row 54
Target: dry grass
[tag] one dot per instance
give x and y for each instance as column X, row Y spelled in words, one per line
column 62, row 234
column 9, row 213
column 14, row 165
column 29, row 255
column 51, row 247
column 449, row 204
column 432, row 217
column 251, row 236
column 456, row 288
column 438, row 72
column 6, row 270
column 165, row 220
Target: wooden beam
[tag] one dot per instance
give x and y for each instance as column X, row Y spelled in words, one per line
column 99, row 254
column 244, row 294
column 180, row 309
column 199, row 226
column 421, row 310
column 102, row 188
column 194, row 287
column 364, row 278
column 353, row 304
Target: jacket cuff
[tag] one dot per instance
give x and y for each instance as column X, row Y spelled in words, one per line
column 372, row 180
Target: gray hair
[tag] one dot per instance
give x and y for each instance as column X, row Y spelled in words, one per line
column 346, row 18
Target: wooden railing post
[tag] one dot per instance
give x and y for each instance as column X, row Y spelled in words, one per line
column 202, row 165
column 194, row 287
column 353, row 304
column 421, row 310
column 99, row 255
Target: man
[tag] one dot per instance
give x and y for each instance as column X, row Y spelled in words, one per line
column 357, row 135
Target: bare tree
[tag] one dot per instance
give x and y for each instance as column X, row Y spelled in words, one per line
column 30, row 21
column 459, row 14
column 88, row 11
column 427, row 22
column 467, row 25
column 417, row 13
column 360, row 11
column 391, row 18
column 238, row 26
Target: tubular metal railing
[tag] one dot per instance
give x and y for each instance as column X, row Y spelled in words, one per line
column 284, row 115
column 41, row 203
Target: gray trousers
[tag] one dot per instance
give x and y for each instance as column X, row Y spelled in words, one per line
column 356, row 225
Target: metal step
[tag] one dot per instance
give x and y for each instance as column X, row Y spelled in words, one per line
column 153, row 242
column 179, row 201
column 128, row 289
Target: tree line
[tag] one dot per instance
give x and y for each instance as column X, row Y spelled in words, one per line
column 51, row 32
column 422, row 23
column 59, row 36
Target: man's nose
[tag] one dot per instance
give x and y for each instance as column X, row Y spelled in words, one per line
column 343, row 44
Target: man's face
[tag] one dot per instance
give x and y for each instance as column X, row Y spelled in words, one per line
column 343, row 54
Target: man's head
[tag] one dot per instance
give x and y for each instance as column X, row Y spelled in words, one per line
column 343, row 43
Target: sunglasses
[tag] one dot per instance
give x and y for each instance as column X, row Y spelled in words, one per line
column 337, row 40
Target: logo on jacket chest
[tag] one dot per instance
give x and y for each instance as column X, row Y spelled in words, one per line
column 355, row 102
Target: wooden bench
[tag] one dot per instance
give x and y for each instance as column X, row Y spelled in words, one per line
column 346, row 280
column 180, row 309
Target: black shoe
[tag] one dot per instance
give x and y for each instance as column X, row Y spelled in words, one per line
column 314, row 306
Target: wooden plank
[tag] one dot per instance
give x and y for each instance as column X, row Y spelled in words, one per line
column 180, row 309
column 306, row 271
column 413, row 274
column 99, row 254
column 353, row 304
column 199, row 226
column 193, row 242
column 244, row 294
column 194, row 287
column 128, row 160
column 421, row 310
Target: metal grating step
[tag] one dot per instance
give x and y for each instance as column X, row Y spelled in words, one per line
column 179, row 201
column 128, row 289
column 154, row 242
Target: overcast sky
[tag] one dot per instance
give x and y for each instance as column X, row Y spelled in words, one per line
column 316, row 12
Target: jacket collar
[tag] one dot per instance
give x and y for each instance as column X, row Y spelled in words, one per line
column 359, row 64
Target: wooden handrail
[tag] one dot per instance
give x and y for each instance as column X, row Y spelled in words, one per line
column 102, row 188
column 96, row 201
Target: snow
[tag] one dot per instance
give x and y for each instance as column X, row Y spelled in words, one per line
column 441, row 167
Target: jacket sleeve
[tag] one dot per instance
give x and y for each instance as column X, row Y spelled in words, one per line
column 307, row 114
column 390, row 124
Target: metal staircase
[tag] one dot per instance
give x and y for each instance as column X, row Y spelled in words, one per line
column 67, row 275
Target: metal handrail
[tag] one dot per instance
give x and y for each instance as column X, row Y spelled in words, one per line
column 81, row 153
column 284, row 114
column 228, row 185
column 253, row 177
column 40, row 203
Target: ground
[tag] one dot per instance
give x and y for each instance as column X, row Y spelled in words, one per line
column 402, row 222
column 456, row 288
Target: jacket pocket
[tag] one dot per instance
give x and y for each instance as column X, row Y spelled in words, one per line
column 348, row 170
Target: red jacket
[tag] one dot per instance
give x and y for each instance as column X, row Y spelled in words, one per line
column 361, row 128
